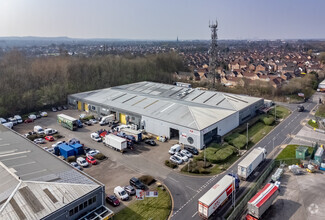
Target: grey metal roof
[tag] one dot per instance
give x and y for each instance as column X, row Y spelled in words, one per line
column 193, row 108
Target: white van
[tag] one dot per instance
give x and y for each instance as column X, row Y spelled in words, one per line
column 2, row 121
column 8, row 125
column 19, row 119
column 95, row 137
column 13, row 120
column 175, row 148
column 38, row 129
column 120, row 193
column 50, row 131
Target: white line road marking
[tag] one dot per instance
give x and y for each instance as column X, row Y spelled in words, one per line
column 194, row 214
column 173, row 179
column 191, row 188
column 23, row 164
column 7, row 152
column 14, row 158
column 22, row 152
column 1, row 145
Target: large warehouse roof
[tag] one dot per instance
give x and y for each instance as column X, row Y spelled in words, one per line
column 35, row 183
column 193, row 108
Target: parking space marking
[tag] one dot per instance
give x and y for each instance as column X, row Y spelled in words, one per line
column 38, row 171
column 1, row 145
column 7, row 152
column 22, row 152
column 14, row 158
column 23, row 164
column 194, row 214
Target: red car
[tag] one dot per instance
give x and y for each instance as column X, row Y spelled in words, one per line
column 91, row 160
column 112, row 200
column 49, row 138
column 28, row 120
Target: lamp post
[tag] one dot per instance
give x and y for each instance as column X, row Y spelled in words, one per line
column 247, row 136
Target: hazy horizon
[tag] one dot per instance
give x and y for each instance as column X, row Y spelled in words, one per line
column 163, row 20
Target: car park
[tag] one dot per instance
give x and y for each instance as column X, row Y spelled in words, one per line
column 112, row 200
column 91, row 160
column 92, row 152
column 175, row 148
column 58, row 143
column 54, row 109
column 82, row 162
column 75, row 165
column 49, row 138
column 120, row 193
column 39, row 141
column 43, row 114
column 191, row 149
column 183, row 157
column 28, row 120
column 150, row 142
column 2, row 120
column 95, row 136
column 135, row 182
column 19, row 119
column 187, row 153
column 129, row 190
column 175, row 159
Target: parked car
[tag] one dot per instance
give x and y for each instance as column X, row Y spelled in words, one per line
column 135, row 182
column 64, row 107
column 2, row 120
column 43, row 114
column 187, row 153
column 112, row 200
column 33, row 117
column 39, row 141
column 120, row 193
column 59, row 108
column 86, row 149
column 8, row 125
column 129, row 190
column 175, row 159
column 75, row 165
column 12, row 120
column 82, row 116
column 28, row 120
column 94, row 121
column 92, row 152
column 19, row 119
column 38, row 116
column 175, row 148
column 88, row 123
column 54, row 109
column 73, row 141
column 49, row 138
column 58, row 143
column 95, row 137
column 191, row 149
column 150, row 142
column 91, row 160
column 50, row 131
column 82, row 162
column 182, row 156
column 50, row 150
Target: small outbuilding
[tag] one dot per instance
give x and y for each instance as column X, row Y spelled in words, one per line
column 301, row 152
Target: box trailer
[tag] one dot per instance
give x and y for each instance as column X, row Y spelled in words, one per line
column 135, row 133
column 67, row 122
column 115, row 142
column 250, row 162
column 319, row 155
column 216, row 196
column 262, row 200
column 66, row 150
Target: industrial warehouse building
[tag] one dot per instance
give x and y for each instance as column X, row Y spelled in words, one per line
column 194, row 116
column 37, row 185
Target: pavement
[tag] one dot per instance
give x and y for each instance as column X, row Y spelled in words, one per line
column 185, row 201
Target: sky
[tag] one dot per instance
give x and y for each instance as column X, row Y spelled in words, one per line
column 163, row 19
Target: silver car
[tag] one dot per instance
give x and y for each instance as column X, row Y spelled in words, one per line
column 187, row 153
column 183, row 157
column 176, row 159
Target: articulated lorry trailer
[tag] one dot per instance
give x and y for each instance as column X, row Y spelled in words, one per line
column 115, row 142
column 250, row 162
column 217, row 195
column 68, row 122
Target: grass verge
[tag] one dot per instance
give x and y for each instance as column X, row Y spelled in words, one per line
column 149, row 208
column 288, row 154
column 313, row 123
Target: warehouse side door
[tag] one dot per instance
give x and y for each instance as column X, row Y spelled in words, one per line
column 122, row 118
column 86, row 107
column 79, row 106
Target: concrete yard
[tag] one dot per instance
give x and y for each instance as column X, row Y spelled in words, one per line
column 301, row 198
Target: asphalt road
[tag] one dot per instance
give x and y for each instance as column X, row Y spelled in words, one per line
column 187, row 190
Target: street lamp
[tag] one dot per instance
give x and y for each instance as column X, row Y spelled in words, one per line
column 247, row 136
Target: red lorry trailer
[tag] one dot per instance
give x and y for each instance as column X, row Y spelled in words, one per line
column 262, row 201
column 216, row 196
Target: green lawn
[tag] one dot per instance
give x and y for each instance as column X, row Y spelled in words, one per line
column 312, row 123
column 321, row 111
column 281, row 112
column 258, row 131
column 149, row 208
column 288, row 154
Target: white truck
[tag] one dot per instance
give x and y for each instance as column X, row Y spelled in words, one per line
column 115, row 142
column 250, row 162
column 262, row 200
column 107, row 119
column 216, row 196
column 135, row 133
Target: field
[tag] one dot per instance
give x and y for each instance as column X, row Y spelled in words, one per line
column 149, row 208
column 288, row 154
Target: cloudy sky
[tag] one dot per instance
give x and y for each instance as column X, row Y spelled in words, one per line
column 163, row 19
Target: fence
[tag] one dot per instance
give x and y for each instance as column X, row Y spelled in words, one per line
column 240, row 208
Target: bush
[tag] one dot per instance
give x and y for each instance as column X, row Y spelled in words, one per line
column 170, row 164
column 146, row 179
column 100, row 156
column 197, row 167
column 71, row 159
column 237, row 140
column 88, row 117
column 267, row 120
column 217, row 156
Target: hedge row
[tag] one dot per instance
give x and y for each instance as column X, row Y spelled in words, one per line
column 237, row 140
